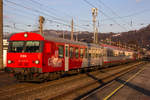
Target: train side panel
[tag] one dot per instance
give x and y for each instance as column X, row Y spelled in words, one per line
column 53, row 57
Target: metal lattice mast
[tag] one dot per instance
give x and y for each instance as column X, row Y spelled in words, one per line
column 94, row 14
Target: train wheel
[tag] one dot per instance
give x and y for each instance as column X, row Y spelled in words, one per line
column 18, row 76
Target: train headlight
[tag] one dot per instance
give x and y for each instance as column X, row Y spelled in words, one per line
column 37, row 62
column 9, row 61
column 25, row 35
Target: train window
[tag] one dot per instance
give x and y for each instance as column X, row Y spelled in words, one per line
column 76, row 52
column 25, row 46
column 81, row 52
column 96, row 55
column 90, row 55
column 119, row 54
column 100, row 55
column 93, row 55
column 111, row 53
column 71, row 52
column 86, row 54
column 66, row 51
column 16, row 46
column 123, row 54
column 105, row 53
column 129, row 54
column 61, row 51
column 32, row 46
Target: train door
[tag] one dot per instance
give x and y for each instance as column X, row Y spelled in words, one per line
column 66, row 57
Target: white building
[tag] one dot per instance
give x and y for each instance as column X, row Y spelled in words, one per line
column 5, row 48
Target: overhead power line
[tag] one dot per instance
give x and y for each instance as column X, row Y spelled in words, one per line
column 50, row 8
column 110, row 9
column 19, row 29
column 105, row 14
column 19, row 10
column 135, row 14
column 56, row 10
column 35, row 10
column 121, row 17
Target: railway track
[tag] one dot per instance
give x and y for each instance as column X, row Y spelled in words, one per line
column 67, row 87
column 99, row 82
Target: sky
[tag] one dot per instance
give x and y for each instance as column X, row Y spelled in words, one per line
column 113, row 15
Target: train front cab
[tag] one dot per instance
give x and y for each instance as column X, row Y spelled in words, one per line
column 25, row 53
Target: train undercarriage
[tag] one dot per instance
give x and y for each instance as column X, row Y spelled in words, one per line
column 36, row 75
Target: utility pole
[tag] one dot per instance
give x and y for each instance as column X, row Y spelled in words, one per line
column 41, row 21
column 1, row 34
column 96, row 36
column 76, row 36
column 119, row 44
column 94, row 14
column 125, row 46
column 72, row 29
column 110, row 39
column 63, row 35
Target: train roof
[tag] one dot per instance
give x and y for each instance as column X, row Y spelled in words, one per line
column 36, row 36
column 115, row 47
column 50, row 38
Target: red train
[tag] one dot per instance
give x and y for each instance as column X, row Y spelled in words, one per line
column 32, row 56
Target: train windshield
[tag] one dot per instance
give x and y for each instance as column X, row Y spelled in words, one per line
column 25, row 46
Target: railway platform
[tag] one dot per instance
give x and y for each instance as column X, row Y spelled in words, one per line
column 134, row 85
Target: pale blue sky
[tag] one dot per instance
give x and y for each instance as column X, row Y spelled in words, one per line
column 113, row 15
